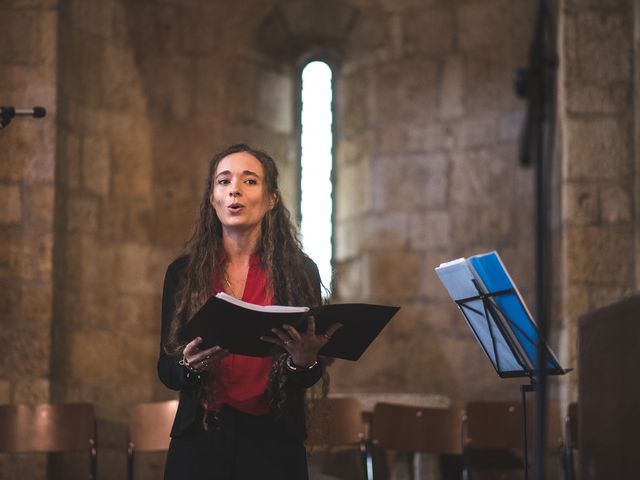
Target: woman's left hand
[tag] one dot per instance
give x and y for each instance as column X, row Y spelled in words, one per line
column 303, row 347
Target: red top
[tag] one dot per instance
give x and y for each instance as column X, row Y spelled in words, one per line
column 241, row 381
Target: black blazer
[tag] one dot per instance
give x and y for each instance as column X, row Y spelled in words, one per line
column 176, row 377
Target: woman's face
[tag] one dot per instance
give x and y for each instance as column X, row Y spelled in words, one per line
column 239, row 192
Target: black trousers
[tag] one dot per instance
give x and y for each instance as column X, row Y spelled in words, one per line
column 236, row 446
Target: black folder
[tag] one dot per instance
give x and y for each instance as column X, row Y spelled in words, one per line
column 238, row 329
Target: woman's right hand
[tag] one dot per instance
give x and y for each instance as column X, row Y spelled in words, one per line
column 198, row 360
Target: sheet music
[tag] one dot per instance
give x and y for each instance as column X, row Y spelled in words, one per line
column 457, row 278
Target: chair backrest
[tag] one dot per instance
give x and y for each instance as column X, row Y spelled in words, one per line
column 416, row 429
column 150, row 425
column 47, row 428
column 343, row 426
column 500, row 425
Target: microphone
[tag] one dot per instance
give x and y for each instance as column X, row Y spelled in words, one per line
column 7, row 113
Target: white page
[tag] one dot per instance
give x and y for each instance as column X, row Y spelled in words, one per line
column 260, row 308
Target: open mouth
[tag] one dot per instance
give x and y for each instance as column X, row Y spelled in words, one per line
column 234, row 207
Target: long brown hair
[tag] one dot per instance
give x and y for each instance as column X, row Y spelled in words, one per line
column 279, row 250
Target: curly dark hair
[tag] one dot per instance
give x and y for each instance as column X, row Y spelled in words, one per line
column 279, row 250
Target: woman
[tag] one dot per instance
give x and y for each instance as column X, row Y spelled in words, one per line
column 240, row 417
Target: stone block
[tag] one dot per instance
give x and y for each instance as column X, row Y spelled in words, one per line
column 39, row 166
column 429, row 32
column 31, row 390
column 581, row 5
column 10, row 303
column 597, row 255
column 307, row 19
column 581, row 204
column 69, row 159
column 83, row 214
column 10, row 204
column 597, row 149
column 451, row 88
column 355, row 102
column 392, row 139
column 131, row 167
column 131, row 86
column 38, row 207
column 476, row 174
column 21, row 39
column 196, row 35
column 274, row 108
column 348, row 280
column 11, row 252
column 408, row 182
column 136, row 314
column 406, row 92
column 37, row 251
column 352, row 150
column 607, row 99
column 352, row 190
column 371, row 31
column 131, row 269
column 482, row 24
column 96, row 165
column 154, row 28
column 605, row 47
column 26, row 354
column 347, row 239
column 37, row 304
column 408, row 5
column 388, row 230
column 616, row 204
column 477, row 131
column 510, row 125
column 390, row 275
column 430, row 138
column 488, row 81
column 171, row 97
column 101, row 358
column 13, row 158
column 5, row 392
column 429, row 230
column 602, row 295
column 218, row 79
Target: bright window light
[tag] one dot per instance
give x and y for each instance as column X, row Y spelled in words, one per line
column 315, row 182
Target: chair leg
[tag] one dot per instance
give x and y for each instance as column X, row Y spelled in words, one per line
column 416, row 466
column 130, row 464
column 367, row 459
column 466, row 469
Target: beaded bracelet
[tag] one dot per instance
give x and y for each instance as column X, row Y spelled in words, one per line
column 296, row 368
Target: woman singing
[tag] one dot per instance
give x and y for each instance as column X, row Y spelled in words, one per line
column 240, row 418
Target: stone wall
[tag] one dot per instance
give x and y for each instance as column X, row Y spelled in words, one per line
column 598, row 229
column 427, row 171
column 27, row 148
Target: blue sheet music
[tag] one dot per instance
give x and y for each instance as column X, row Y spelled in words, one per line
column 457, row 278
column 495, row 278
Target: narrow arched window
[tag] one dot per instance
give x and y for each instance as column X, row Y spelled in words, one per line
column 316, row 161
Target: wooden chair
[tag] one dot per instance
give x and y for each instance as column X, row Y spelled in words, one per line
column 149, row 429
column 416, row 430
column 48, row 428
column 342, row 429
column 492, row 435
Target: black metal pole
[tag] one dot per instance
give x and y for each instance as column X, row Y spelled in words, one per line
column 533, row 84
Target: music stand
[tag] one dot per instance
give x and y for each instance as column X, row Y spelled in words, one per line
column 499, row 319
